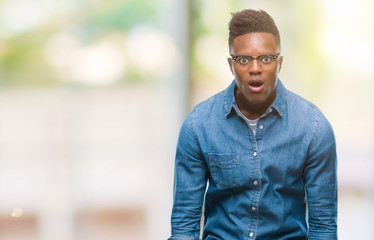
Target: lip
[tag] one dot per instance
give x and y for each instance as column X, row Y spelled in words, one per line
column 256, row 86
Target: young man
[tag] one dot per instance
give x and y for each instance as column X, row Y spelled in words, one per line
column 268, row 155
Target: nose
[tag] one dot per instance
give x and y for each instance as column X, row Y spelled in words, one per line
column 255, row 67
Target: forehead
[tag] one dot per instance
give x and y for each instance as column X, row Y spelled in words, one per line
column 254, row 44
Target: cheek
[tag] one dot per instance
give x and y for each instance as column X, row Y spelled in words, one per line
column 271, row 79
column 272, row 75
column 236, row 74
column 239, row 74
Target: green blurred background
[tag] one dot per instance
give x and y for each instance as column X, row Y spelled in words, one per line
column 93, row 92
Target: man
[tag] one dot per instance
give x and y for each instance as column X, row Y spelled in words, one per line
column 268, row 155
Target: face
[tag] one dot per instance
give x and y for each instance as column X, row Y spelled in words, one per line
column 255, row 85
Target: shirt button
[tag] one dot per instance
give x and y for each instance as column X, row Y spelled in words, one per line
column 251, row 234
column 255, row 183
column 253, row 209
column 261, row 127
column 270, row 110
column 255, row 154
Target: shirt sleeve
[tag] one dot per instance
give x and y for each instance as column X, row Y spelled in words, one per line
column 190, row 180
column 321, row 182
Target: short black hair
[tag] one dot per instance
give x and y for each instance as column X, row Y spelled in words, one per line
column 250, row 21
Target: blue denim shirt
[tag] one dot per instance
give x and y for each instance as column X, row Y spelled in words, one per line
column 278, row 184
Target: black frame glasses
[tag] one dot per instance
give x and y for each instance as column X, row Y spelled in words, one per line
column 266, row 61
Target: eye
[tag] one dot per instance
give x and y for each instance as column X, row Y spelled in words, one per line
column 244, row 60
column 266, row 59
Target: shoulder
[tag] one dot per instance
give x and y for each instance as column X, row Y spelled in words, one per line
column 295, row 101
column 307, row 114
column 204, row 114
column 199, row 118
column 206, row 108
column 301, row 108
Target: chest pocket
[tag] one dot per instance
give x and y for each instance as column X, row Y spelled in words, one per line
column 225, row 169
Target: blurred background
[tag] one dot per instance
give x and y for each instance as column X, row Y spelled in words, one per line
column 93, row 93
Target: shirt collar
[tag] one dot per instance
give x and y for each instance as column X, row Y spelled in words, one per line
column 279, row 103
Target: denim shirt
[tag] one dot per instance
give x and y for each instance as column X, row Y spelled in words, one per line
column 278, row 184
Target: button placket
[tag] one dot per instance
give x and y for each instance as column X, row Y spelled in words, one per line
column 256, row 186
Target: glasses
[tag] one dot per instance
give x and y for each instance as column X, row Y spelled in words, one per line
column 266, row 61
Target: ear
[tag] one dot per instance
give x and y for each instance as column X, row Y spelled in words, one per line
column 229, row 60
column 280, row 63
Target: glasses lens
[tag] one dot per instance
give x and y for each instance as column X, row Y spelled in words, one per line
column 265, row 61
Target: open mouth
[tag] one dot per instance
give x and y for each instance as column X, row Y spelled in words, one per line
column 256, row 86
